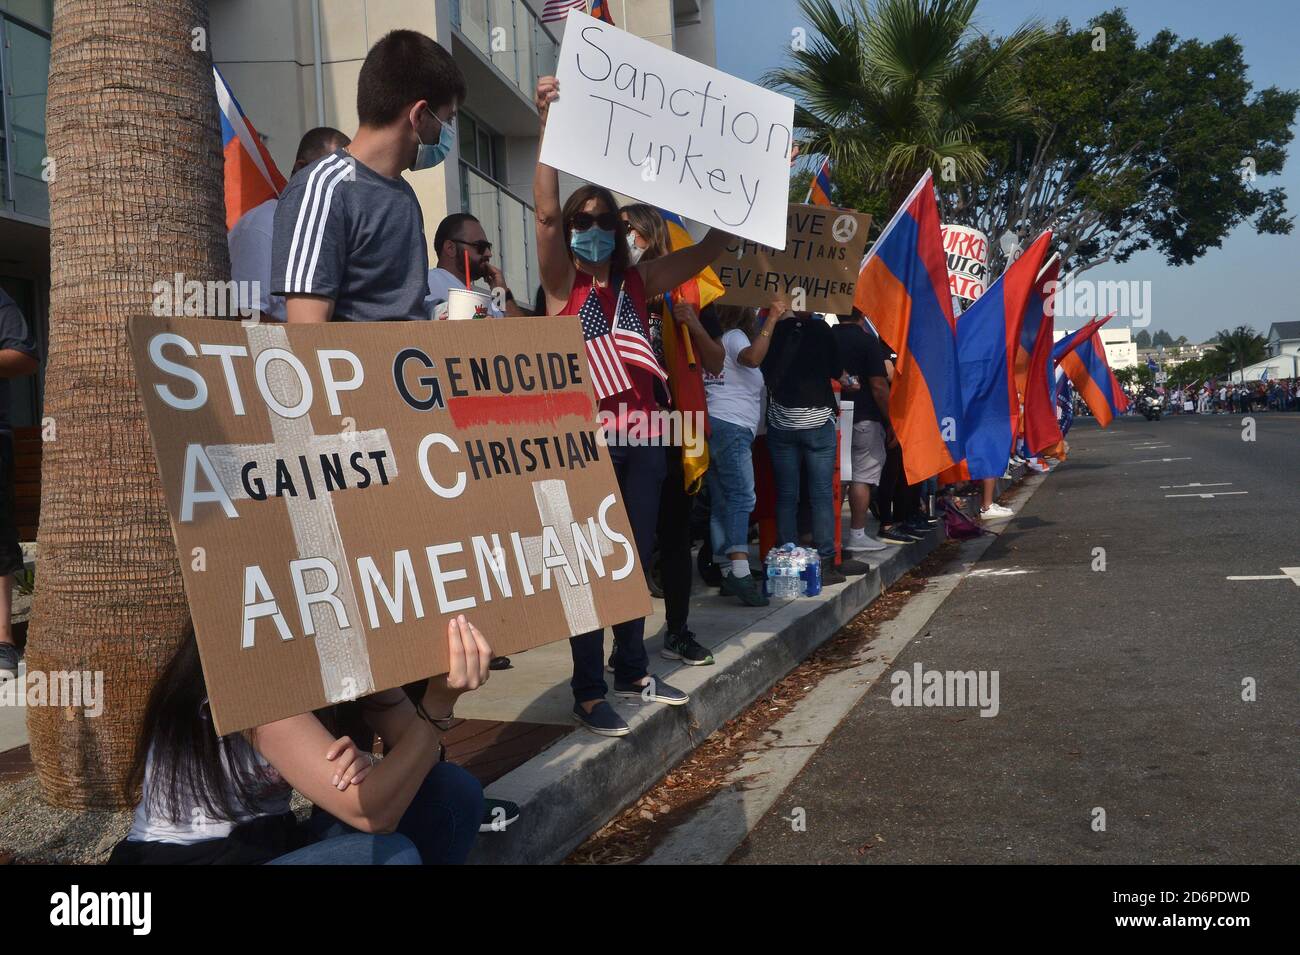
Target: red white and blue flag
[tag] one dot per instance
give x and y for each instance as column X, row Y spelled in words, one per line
column 608, row 376
column 251, row 176
column 819, row 189
column 559, row 9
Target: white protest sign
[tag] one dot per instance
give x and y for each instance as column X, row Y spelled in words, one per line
column 967, row 250
column 666, row 130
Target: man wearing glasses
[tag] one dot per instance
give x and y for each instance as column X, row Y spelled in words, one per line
column 458, row 236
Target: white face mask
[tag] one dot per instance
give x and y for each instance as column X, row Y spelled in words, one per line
column 634, row 251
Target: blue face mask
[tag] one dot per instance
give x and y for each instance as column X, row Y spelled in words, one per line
column 592, row 245
column 428, row 155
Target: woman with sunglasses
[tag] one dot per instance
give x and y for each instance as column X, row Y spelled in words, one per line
column 582, row 253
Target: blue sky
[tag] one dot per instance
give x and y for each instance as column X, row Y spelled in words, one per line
column 1246, row 281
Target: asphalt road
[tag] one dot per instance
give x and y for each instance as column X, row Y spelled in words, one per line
column 1118, row 689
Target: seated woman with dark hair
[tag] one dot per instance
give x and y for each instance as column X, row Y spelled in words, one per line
column 225, row 800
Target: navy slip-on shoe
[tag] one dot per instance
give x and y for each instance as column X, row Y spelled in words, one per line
column 602, row 720
column 656, row 691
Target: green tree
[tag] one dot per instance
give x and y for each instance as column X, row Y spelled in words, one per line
column 890, row 88
column 1143, row 339
column 1241, row 346
column 1136, row 146
column 1162, row 339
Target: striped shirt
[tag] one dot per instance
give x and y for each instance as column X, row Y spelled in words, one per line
column 797, row 419
column 345, row 232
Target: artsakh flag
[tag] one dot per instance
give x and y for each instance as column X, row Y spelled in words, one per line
column 988, row 336
column 600, row 10
column 903, row 290
column 1041, row 430
column 819, row 190
column 1090, row 373
column 251, row 176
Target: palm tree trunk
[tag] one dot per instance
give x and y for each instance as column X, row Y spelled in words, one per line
column 136, row 197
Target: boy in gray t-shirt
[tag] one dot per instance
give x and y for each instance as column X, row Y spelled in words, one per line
column 348, row 242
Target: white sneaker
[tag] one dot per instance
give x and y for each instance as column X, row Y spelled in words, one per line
column 996, row 512
column 861, row 540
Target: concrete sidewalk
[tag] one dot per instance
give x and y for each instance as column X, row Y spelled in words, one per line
column 571, row 789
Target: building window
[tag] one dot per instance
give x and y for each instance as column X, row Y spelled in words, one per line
column 24, row 67
column 480, row 147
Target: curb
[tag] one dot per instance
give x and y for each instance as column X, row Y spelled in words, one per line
column 572, row 789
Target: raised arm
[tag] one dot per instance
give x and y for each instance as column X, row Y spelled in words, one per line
column 660, row 276
column 553, row 258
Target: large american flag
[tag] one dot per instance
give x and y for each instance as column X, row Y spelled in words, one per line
column 559, row 9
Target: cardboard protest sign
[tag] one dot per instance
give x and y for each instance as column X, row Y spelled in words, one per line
column 337, row 492
column 660, row 127
column 823, row 249
column 967, row 250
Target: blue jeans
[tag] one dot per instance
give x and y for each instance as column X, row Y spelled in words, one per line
column 731, row 487
column 355, row 848
column 811, row 449
column 441, row 823
column 640, row 472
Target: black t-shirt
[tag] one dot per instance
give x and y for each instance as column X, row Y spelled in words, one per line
column 15, row 334
column 863, row 356
column 801, row 360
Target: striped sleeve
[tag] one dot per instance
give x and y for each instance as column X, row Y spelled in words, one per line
column 309, row 244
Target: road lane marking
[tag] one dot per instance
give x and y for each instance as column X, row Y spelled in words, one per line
column 1288, row 573
column 1160, row 460
column 1209, row 495
column 1170, row 487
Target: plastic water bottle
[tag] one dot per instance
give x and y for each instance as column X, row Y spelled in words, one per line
column 783, row 573
column 811, row 577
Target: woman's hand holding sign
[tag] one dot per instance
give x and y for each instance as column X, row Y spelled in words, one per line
column 548, row 91
column 468, row 656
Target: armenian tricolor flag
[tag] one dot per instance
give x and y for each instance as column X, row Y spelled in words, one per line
column 600, row 10
column 1035, row 382
column 903, row 290
column 988, row 337
column 251, row 176
column 819, row 190
column 1086, row 367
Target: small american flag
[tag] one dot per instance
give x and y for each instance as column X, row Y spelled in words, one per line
column 559, row 9
column 630, row 335
column 608, row 376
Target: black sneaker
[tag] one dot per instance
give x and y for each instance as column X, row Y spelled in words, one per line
column 831, row 575
column 497, row 814
column 853, row 568
column 8, row 661
column 656, row 691
column 602, row 720
column 500, row 663
column 745, row 589
column 895, row 535
column 683, row 646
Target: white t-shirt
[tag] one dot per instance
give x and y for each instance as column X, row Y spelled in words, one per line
column 250, row 255
column 151, row 825
column 736, row 395
column 440, row 283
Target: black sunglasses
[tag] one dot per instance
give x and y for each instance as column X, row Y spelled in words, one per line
column 482, row 247
column 582, row 221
